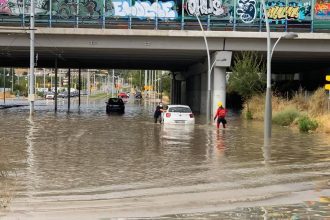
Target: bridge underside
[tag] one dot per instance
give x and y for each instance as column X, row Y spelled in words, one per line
column 148, row 59
column 147, row 49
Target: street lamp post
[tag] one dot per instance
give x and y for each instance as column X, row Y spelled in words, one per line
column 289, row 35
column 268, row 102
column 208, row 97
column 31, row 86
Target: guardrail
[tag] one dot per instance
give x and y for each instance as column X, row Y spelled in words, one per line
column 227, row 15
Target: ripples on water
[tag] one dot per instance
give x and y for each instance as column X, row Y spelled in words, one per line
column 92, row 155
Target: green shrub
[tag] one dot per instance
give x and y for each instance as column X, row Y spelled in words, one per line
column 249, row 115
column 306, row 124
column 286, row 117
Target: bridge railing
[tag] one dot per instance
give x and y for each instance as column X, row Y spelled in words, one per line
column 225, row 15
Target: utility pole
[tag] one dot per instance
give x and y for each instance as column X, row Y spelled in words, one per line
column 31, row 87
column 113, row 82
column 44, row 78
column 12, row 80
column 88, row 83
column 4, row 86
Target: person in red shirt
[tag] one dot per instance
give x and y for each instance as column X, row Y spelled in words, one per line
column 221, row 114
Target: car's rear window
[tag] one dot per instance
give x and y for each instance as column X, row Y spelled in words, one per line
column 180, row 109
column 115, row 101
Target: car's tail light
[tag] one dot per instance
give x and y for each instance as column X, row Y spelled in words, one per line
column 191, row 115
column 168, row 115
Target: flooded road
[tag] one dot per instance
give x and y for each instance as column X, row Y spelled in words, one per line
column 89, row 165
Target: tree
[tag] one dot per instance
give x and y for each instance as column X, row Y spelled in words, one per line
column 248, row 75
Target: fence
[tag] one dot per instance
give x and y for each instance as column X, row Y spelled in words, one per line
column 226, row 15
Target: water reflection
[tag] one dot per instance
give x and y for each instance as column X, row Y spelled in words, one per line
column 30, row 161
column 267, row 151
column 177, row 134
column 220, row 146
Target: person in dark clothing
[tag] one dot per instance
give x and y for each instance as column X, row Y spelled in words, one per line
column 158, row 113
column 221, row 114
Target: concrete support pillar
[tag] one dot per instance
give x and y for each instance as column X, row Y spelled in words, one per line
column 173, row 89
column 203, row 92
column 183, row 92
column 218, row 93
column 221, row 60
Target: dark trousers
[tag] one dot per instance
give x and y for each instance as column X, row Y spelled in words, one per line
column 156, row 117
column 221, row 120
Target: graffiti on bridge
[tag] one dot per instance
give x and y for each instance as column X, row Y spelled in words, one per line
column 60, row 8
column 206, row 7
column 322, row 10
column 246, row 10
column 280, row 12
column 146, row 9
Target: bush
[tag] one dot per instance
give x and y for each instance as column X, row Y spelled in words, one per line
column 306, row 124
column 249, row 115
column 286, row 117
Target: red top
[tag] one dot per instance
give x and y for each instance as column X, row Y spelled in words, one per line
column 221, row 112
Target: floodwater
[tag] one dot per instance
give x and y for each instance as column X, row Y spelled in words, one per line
column 89, row 165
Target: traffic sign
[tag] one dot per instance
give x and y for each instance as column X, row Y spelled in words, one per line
column 327, row 86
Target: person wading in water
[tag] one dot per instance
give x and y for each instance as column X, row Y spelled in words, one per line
column 158, row 113
column 221, row 114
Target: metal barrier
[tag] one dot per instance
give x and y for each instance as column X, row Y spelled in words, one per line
column 215, row 15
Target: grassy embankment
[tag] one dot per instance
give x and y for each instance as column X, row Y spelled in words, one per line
column 305, row 113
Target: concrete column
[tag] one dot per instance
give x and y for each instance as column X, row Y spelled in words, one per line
column 203, row 92
column 218, row 94
column 173, row 91
column 183, row 92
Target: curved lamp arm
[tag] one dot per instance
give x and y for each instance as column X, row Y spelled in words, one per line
column 278, row 40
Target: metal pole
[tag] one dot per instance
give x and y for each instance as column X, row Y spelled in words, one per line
column 88, row 83
column 44, row 78
column 113, row 83
column 31, row 88
column 4, row 86
column 55, row 96
column 145, row 81
column 208, row 97
column 268, row 102
column 69, row 89
column 152, row 83
column 79, row 86
column 161, row 87
column 140, row 84
column 12, row 80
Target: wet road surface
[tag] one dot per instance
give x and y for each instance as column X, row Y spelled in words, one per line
column 90, row 165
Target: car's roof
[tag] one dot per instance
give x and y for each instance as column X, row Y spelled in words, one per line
column 185, row 106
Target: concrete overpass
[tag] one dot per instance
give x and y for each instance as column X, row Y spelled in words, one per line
column 181, row 51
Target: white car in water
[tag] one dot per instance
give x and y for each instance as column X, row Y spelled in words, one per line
column 50, row 95
column 178, row 114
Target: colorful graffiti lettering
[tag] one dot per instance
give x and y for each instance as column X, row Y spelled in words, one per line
column 279, row 11
column 84, row 9
column 5, row 7
column 205, row 7
column 161, row 10
column 322, row 10
column 247, row 10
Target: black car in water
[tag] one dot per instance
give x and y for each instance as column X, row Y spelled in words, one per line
column 115, row 105
column 138, row 95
